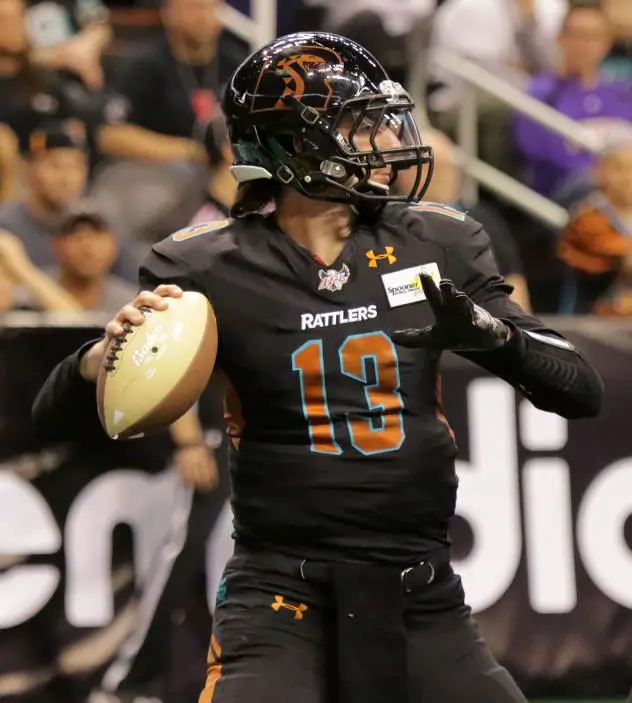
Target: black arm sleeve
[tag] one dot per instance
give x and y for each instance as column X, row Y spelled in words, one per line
column 538, row 361
column 66, row 407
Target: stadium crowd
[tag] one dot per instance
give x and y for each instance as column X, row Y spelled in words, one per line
column 111, row 135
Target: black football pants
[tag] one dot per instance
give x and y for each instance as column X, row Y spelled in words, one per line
column 275, row 641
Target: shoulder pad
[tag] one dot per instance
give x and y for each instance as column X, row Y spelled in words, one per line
column 439, row 209
column 197, row 230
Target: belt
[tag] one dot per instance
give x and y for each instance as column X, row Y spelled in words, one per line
column 425, row 572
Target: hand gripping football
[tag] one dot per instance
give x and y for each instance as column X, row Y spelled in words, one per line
column 156, row 371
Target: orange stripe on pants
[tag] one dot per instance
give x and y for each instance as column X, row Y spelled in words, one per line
column 214, row 671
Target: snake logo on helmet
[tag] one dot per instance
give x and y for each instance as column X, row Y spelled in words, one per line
column 317, row 112
column 291, row 77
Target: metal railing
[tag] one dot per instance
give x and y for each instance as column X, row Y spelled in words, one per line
column 475, row 78
column 258, row 29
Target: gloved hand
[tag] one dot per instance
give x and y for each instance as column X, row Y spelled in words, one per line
column 460, row 325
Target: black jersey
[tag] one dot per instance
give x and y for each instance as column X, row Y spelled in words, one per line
column 343, row 450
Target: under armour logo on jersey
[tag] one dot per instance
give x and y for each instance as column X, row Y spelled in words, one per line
column 333, row 280
column 387, row 256
column 298, row 610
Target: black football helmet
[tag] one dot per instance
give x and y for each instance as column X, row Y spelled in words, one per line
column 317, row 112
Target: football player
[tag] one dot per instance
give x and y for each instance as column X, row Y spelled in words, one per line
column 335, row 296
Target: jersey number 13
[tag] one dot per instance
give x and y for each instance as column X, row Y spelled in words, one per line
column 371, row 360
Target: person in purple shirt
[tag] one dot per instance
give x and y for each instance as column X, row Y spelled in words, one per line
column 578, row 91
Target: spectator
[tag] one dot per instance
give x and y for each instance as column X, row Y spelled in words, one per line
column 597, row 244
column 510, row 38
column 222, row 186
column 85, row 248
column 155, row 119
column 578, row 91
column 29, row 94
column 618, row 65
column 70, row 35
column 56, row 174
column 445, row 188
column 171, row 89
column 23, row 286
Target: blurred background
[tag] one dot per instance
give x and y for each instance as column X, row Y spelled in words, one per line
column 111, row 137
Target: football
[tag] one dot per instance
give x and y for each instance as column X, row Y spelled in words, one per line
column 155, row 372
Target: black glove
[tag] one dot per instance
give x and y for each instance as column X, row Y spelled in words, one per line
column 460, row 324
